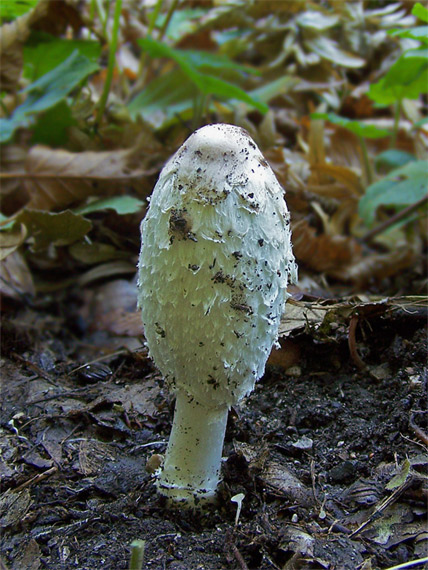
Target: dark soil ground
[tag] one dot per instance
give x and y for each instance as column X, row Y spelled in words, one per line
column 330, row 457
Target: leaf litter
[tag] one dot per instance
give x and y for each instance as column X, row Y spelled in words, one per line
column 329, row 452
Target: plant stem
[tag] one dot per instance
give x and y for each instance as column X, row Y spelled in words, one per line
column 397, row 115
column 192, row 462
column 394, row 219
column 142, row 71
column 168, row 19
column 111, row 61
column 137, row 554
column 366, row 161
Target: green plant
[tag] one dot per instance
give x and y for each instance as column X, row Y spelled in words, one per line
column 406, row 183
column 198, row 79
column 46, row 92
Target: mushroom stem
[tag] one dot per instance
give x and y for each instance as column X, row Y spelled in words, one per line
column 193, row 458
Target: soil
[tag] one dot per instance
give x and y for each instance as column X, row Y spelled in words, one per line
column 329, row 453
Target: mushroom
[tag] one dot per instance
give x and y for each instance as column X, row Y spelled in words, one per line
column 214, row 265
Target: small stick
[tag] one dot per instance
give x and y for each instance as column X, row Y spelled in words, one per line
column 418, row 431
column 37, row 478
column 379, row 509
column 353, row 344
column 394, row 219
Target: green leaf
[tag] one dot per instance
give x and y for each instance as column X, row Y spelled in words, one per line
column 207, row 84
column 420, row 12
column 120, row 204
column 204, row 60
column 52, row 126
column 393, row 158
column 164, row 98
column 406, row 78
column 43, row 52
column 401, row 476
column 47, row 91
column 11, row 9
column 401, row 187
column 421, row 123
column 357, row 127
column 420, row 34
column 48, row 228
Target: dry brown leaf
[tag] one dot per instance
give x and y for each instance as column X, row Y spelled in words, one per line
column 345, row 148
column 323, row 253
column 51, row 17
column 111, row 269
column 12, row 160
column 54, row 179
column 378, row 266
column 113, row 307
column 55, row 17
column 12, row 38
column 349, row 183
column 11, row 240
column 15, row 277
column 285, row 357
column 275, row 157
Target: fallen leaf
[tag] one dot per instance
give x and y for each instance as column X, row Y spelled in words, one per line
column 16, row 279
column 328, row 48
column 13, row 507
column 59, row 229
column 286, row 356
column 299, row 315
column 12, row 38
column 52, row 17
column 113, row 307
column 29, row 556
column 377, row 265
column 54, row 179
column 11, row 240
column 113, row 268
column 323, row 253
column 12, row 160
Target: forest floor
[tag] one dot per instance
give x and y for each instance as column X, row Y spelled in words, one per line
column 328, row 456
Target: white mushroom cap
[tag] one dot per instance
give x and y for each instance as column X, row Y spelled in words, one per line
column 214, row 266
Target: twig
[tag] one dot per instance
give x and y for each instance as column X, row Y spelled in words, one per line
column 36, row 369
column 353, row 344
column 418, row 431
column 37, row 478
column 394, row 219
column 386, row 503
column 409, row 564
column 230, row 544
column 100, row 359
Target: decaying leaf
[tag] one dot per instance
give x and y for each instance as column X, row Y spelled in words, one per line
column 11, row 240
column 319, row 316
column 12, row 160
column 13, row 507
column 48, row 16
column 15, row 277
column 299, row 315
column 323, row 253
column 54, row 179
column 47, row 228
column 377, row 266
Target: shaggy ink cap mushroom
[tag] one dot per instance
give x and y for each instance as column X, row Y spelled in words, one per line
column 214, row 266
